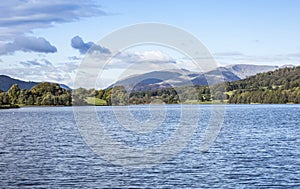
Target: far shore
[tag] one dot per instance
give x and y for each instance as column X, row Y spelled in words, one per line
column 199, row 103
column 9, row 106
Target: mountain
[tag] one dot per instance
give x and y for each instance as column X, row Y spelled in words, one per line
column 6, row 82
column 65, row 86
column 181, row 77
column 245, row 70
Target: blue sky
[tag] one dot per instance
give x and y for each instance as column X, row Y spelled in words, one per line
column 46, row 41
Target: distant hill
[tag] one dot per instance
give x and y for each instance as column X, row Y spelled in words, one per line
column 279, row 86
column 6, row 82
column 245, row 70
column 181, row 77
column 65, row 86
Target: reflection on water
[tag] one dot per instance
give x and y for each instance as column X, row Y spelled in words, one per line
column 257, row 147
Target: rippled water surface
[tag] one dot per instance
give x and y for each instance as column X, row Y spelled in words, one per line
column 258, row 147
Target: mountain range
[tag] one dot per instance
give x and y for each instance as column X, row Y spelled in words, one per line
column 6, row 82
column 167, row 78
column 181, row 77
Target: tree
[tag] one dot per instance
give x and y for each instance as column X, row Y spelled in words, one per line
column 14, row 93
column 49, row 94
column 4, row 99
column 48, row 99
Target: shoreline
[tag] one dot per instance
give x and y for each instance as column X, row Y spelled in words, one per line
column 32, row 106
column 9, row 106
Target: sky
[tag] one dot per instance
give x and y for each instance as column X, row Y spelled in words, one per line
column 48, row 40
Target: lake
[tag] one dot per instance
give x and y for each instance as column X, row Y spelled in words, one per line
column 258, row 146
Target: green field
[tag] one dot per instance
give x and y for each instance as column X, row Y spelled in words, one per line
column 95, row 101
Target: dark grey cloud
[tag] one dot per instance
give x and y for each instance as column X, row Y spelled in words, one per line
column 84, row 47
column 27, row 44
column 30, row 63
column 18, row 17
column 34, row 63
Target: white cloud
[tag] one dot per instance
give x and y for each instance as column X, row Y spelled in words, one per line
column 20, row 17
column 154, row 57
column 43, row 70
column 226, row 58
column 148, row 58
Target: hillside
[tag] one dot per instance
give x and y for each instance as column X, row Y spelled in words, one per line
column 279, row 86
column 7, row 82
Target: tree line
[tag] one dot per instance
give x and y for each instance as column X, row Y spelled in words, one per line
column 42, row 94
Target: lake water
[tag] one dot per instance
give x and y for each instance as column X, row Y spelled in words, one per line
column 257, row 147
